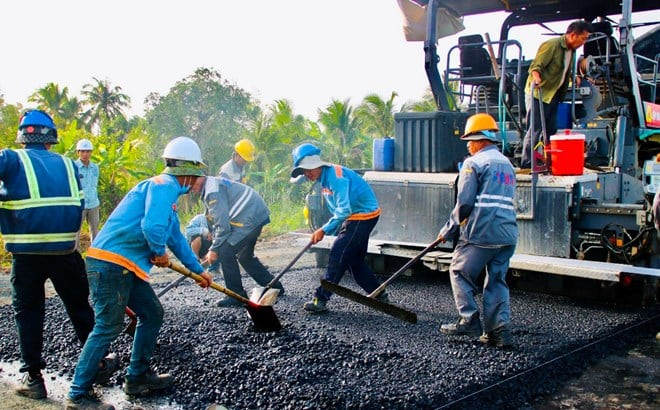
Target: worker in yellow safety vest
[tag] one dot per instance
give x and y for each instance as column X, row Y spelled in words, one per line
column 41, row 206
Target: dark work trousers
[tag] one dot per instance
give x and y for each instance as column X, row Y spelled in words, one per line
column 348, row 253
column 243, row 252
column 28, row 275
column 550, row 113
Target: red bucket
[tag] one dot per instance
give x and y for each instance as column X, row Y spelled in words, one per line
column 567, row 154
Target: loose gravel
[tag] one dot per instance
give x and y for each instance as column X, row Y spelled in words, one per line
column 352, row 356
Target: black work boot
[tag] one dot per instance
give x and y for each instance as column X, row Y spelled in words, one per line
column 463, row 327
column 148, row 381
column 86, row 402
column 500, row 337
column 108, row 366
column 32, row 386
column 316, row 305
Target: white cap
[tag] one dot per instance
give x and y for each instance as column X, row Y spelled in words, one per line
column 308, row 162
column 84, row 145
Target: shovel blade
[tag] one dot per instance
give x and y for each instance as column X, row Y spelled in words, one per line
column 263, row 317
column 388, row 308
column 264, row 296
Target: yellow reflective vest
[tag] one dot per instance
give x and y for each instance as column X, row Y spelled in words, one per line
column 42, row 202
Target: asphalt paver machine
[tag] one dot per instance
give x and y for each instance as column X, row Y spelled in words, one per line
column 594, row 227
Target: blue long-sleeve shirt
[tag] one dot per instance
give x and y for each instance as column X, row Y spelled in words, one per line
column 143, row 224
column 89, row 180
column 348, row 196
column 197, row 226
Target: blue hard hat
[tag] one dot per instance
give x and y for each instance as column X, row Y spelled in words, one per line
column 304, row 150
column 36, row 127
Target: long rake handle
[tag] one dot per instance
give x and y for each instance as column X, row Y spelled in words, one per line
column 187, row 272
column 286, row 269
column 170, row 286
column 403, row 268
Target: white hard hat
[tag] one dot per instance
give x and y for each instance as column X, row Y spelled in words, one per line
column 84, row 145
column 184, row 149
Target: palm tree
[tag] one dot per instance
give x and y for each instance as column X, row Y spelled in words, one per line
column 57, row 103
column 377, row 115
column 343, row 140
column 105, row 102
column 426, row 104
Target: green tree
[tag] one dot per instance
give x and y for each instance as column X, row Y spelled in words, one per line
column 9, row 116
column 275, row 132
column 377, row 115
column 426, row 104
column 104, row 102
column 206, row 108
column 57, row 103
column 342, row 139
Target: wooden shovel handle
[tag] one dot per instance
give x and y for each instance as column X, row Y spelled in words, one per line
column 187, row 272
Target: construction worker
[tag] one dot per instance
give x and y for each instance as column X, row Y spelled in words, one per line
column 234, row 169
column 199, row 236
column 239, row 214
column 484, row 219
column 131, row 242
column 40, row 213
column 551, row 72
column 89, row 179
column 355, row 212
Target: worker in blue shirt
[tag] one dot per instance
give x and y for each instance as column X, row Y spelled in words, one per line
column 199, row 236
column 40, row 214
column 355, row 212
column 89, row 180
column 484, row 218
column 133, row 240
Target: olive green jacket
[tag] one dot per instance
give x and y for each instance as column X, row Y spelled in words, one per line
column 549, row 62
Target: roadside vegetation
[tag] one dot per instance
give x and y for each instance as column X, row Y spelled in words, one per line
column 216, row 114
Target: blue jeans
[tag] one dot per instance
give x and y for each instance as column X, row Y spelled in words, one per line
column 348, row 253
column 112, row 289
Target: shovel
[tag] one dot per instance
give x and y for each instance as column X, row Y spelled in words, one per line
column 263, row 316
column 370, row 299
column 267, row 295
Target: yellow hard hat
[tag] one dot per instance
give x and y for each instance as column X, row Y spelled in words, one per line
column 245, row 148
column 477, row 123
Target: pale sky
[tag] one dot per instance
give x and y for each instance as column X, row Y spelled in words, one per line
column 306, row 51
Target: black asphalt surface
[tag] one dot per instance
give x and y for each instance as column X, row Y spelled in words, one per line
column 354, row 357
